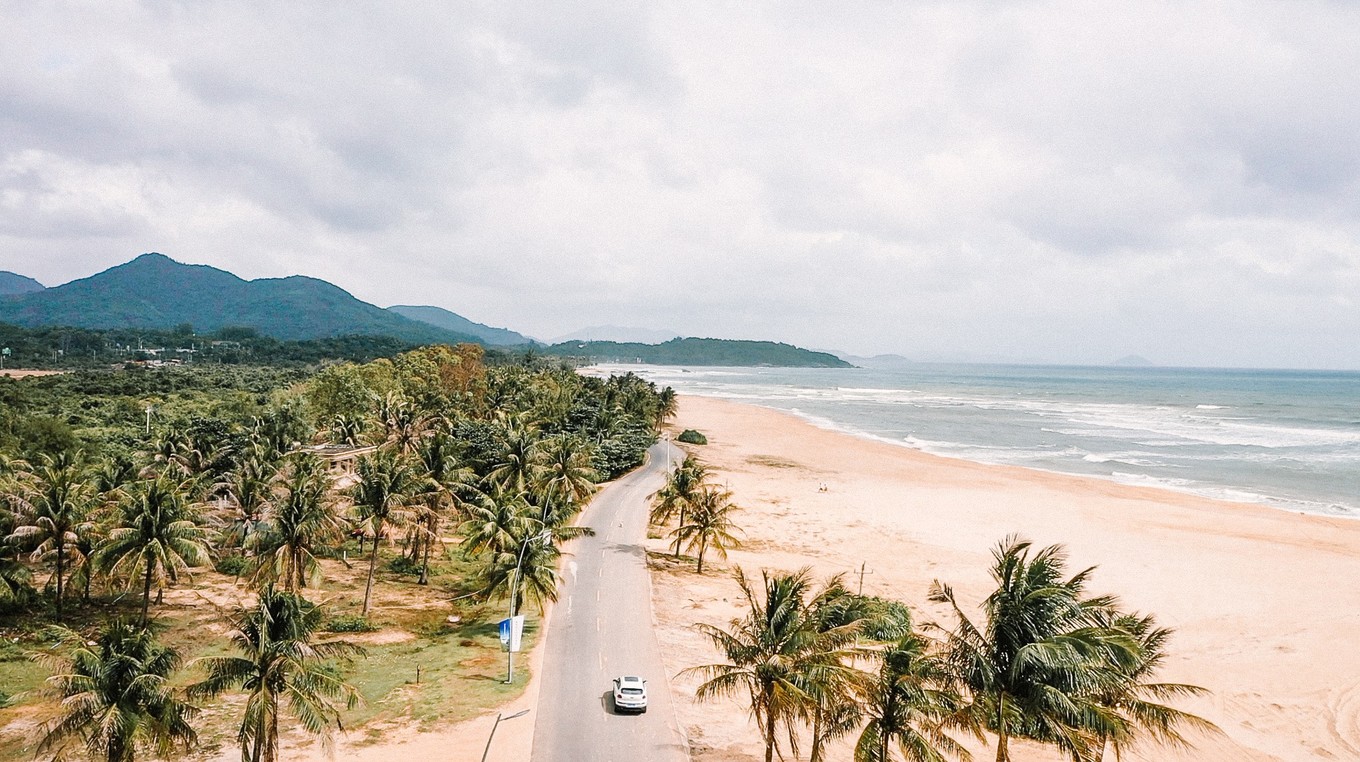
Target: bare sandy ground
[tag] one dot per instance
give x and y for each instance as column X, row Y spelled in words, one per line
column 21, row 373
column 1266, row 604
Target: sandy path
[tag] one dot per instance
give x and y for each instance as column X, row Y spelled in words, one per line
column 1266, row 603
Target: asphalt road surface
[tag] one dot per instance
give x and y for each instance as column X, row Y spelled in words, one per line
column 601, row 628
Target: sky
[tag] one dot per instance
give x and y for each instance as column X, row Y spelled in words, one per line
column 1022, row 181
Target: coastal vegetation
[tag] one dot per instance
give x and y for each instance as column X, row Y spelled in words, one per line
column 697, row 351
column 690, row 436
column 399, row 501
column 1049, row 662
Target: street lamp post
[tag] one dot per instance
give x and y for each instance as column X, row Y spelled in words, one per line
column 514, row 587
column 149, row 408
column 499, row 719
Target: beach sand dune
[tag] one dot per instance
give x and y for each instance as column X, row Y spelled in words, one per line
column 1265, row 603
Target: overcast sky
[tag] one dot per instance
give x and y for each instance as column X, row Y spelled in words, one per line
column 1067, row 182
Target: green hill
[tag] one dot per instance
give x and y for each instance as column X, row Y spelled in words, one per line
column 154, row 291
column 699, row 352
column 14, row 283
column 451, row 321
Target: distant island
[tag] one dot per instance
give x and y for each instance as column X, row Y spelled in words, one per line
column 692, row 351
column 1133, row 361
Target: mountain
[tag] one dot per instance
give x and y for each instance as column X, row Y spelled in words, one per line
column 14, row 283
column 699, row 352
column 883, row 362
column 617, row 333
column 155, row 291
column 442, row 318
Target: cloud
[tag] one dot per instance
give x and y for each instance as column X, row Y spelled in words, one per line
column 1036, row 179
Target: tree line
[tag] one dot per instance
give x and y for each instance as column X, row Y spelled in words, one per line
column 501, row 457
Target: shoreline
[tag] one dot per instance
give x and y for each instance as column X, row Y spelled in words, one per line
column 1261, row 599
column 1277, row 504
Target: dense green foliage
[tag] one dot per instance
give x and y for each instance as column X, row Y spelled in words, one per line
column 116, row 695
column 693, row 351
column 117, row 486
column 690, row 436
column 154, row 291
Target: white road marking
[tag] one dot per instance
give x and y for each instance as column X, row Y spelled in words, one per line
column 569, row 598
column 571, row 567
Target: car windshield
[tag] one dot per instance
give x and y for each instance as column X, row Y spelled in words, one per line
column 632, row 691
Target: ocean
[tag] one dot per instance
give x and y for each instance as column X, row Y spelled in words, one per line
column 1290, row 439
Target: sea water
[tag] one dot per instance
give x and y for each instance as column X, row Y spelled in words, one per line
column 1290, row 439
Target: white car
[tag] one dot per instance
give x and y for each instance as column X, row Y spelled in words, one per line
column 630, row 694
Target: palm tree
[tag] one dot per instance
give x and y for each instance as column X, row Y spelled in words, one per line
column 385, row 484
column 16, row 581
column 519, row 463
column 773, row 653
column 279, row 664
column 566, row 476
column 495, row 523
column 155, row 538
column 709, row 524
column 249, row 488
column 346, row 430
column 834, row 711
column 403, row 426
column 1044, row 655
column 667, row 404
column 55, row 503
column 300, row 521
column 681, row 490
column 116, row 696
column 910, row 705
column 528, row 569
column 442, row 482
column 1135, row 700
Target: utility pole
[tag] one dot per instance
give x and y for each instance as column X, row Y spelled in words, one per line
column 862, row 572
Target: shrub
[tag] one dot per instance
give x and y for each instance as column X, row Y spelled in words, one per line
column 690, row 436
column 350, row 624
column 404, row 565
column 233, row 565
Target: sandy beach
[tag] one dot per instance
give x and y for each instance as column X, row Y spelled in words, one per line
column 1265, row 603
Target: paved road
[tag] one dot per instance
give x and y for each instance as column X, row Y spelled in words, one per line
column 602, row 627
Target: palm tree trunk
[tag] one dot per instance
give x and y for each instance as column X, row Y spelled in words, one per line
column 117, row 750
column 1003, row 751
column 769, row 730
column 677, row 535
column 259, row 744
column 702, row 545
column 271, row 747
column 146, row 592
column 425, row 565
column 816, row 754
column 372, row 564
column 61, row 553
